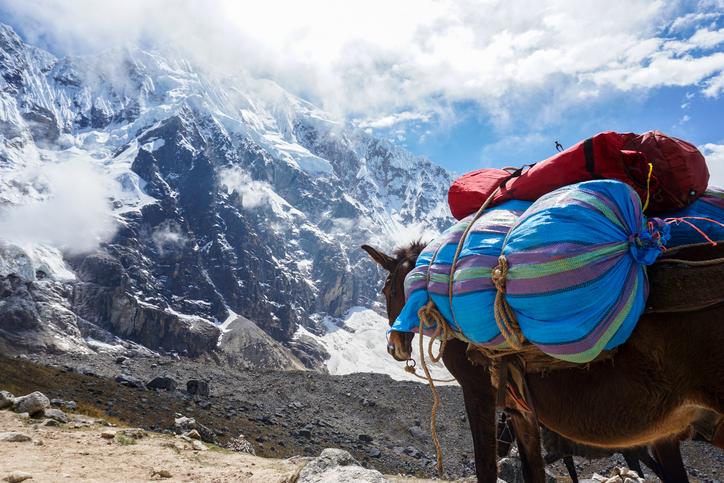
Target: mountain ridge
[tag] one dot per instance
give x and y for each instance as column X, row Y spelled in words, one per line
column 223, row 197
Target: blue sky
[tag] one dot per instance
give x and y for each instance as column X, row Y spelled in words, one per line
column 473, row 142
column 466, row 83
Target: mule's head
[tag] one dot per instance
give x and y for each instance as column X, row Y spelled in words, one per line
column 399, row 344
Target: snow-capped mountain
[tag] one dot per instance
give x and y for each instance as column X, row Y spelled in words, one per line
column 146, row 204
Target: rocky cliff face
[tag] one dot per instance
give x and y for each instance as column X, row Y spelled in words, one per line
column 224, row 197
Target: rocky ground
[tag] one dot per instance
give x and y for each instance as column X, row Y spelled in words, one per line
column 382, row 423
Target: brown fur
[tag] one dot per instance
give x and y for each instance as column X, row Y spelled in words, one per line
column 671, row 368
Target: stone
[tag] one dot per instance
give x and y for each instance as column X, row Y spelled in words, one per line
column 198, row 387
column 374, row 452
column 338, row 466
column 6, row 399
column 130, row 381
column 184, row 424
column 242, row 445
column 135, row 433
column 17, row 477
column 70, row 405
column 56, row 403
column 50, row 423
column 165, row 383
column 193, row 434
column 108, row 434
column 198, row 445
column 365, row 438
column 417, row 432
column 161, row 473
column 121, row 359
column 57, row 415
column 14, row 437
column 34, row 404
column 511, row 470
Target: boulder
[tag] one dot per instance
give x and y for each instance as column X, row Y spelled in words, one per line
column 34, row 404
column 6, row 399
column 57, row 415
column 130, row 381
column 338, row 466
column 198, row 388
column 417, row 432
column 184, row 425
column 135, row 433
column 13, row 437
column 17, row 477
column 165, row 383
column 241, row 445
column 511, row 470
column 198, row 445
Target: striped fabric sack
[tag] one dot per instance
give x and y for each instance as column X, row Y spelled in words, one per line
column 574, row 275
column 702, row 219
column 473, row 290
column 576, row 279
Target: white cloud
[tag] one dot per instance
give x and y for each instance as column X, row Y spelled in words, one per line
column 252, row 193
column 74, row 213
column 393, row 119
column 714, row 154
column 714, row 86
column 379, row 60
column 690, row 19
column 168, row 237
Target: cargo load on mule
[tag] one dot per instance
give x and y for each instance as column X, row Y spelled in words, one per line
column 666, row 172
column 566, row 275
column 702, row 220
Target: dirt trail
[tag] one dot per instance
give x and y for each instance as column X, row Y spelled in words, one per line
column 82, row 454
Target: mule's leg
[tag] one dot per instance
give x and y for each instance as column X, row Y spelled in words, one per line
column 652, row 464
column 632, row 461
column 505, row 436
column 668, row 453
column 571, row 467
column 527, row 432
column 479, row 405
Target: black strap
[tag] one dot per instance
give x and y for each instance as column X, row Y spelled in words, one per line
column 588, row 153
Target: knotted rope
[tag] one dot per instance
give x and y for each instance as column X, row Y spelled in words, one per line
column 504, row 315
column 430, row 316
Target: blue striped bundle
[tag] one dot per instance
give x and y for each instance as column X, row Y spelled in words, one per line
column 577, row 280
column 473, row 290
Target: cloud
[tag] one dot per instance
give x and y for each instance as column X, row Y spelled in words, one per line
column 379, row 61
column 252, row 194
column 714, row 86
column 714, row 154
column 393, row 119
column 73, row 212
column 168, row 237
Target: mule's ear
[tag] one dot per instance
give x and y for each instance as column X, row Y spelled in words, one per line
column 387, row 262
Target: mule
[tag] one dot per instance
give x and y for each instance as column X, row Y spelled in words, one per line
column 655, row 386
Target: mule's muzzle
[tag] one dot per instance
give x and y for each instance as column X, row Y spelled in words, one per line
column 399, row 346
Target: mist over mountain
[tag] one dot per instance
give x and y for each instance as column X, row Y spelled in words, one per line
column 146, row 205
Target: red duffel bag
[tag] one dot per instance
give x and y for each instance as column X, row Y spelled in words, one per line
column 666, row 172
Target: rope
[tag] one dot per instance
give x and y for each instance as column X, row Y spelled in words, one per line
column 429, row 315
column 460, row 247
column 504, row 315
column 648, row 187
column 685, row 219
column 429, row 310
